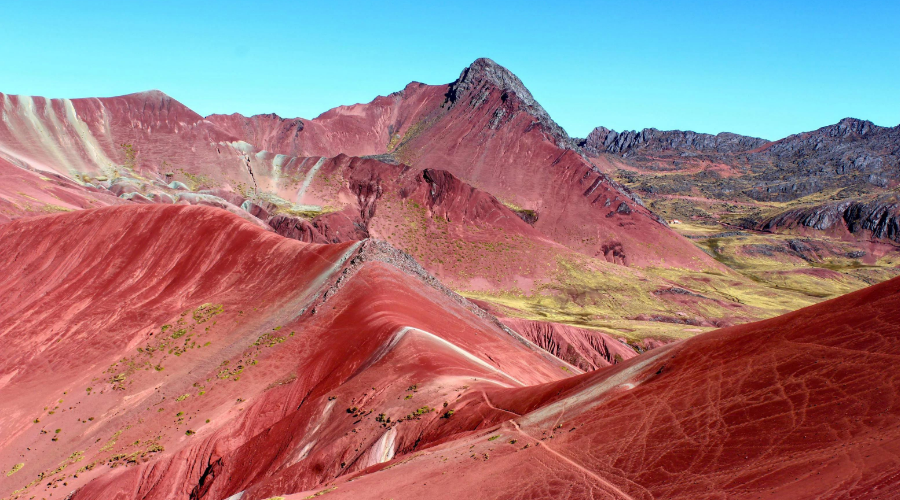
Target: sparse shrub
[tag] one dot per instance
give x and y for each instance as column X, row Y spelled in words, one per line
column 206, row 312
column 15, row 468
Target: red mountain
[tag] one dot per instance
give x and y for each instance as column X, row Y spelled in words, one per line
column 485, row 128
column 184, row 343
column 182, row 352
column 800, row 406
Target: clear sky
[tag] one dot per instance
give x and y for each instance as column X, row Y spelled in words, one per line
column 763, row 68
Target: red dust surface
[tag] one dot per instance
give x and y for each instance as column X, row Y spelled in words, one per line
column 168, row 351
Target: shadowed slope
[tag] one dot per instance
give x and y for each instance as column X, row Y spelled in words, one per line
column 586, row 349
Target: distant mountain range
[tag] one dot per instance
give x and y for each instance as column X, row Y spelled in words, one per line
column 851, row 154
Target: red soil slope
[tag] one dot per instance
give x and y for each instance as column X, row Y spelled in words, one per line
column 801, row 406
column 26, row 193
column 154, row 351
column 463, row 235
column 76, row 136
column 168, row 351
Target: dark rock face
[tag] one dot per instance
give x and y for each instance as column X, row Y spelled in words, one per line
column 881, row 217
column 614, row 252
column 477, row 81
column 528, row 216
column 256, row 210
column 604, row 140
column 851, row 154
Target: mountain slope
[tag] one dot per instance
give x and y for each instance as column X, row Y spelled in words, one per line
column 24, row 193
column 813, row 212
column 195, row 355
column 488, row 130
column 800, row 406
column 146, row 348
column 472, row 178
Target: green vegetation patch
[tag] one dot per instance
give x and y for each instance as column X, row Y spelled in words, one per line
column 206, row 312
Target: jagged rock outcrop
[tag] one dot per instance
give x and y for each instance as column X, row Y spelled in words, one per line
column 849, row 148
column 604, row 140
column 875, row 218
column 854, row 155
column 482, row 76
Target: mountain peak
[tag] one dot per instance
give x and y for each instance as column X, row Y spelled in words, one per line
column 484, row 69
column 476, row 81
column 151, row 94
column 850, row 125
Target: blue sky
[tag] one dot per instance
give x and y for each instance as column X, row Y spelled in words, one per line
column 760, row 68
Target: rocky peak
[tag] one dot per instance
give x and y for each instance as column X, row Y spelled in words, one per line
column 484, row 70
column 849, row 126
column 474, row 85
